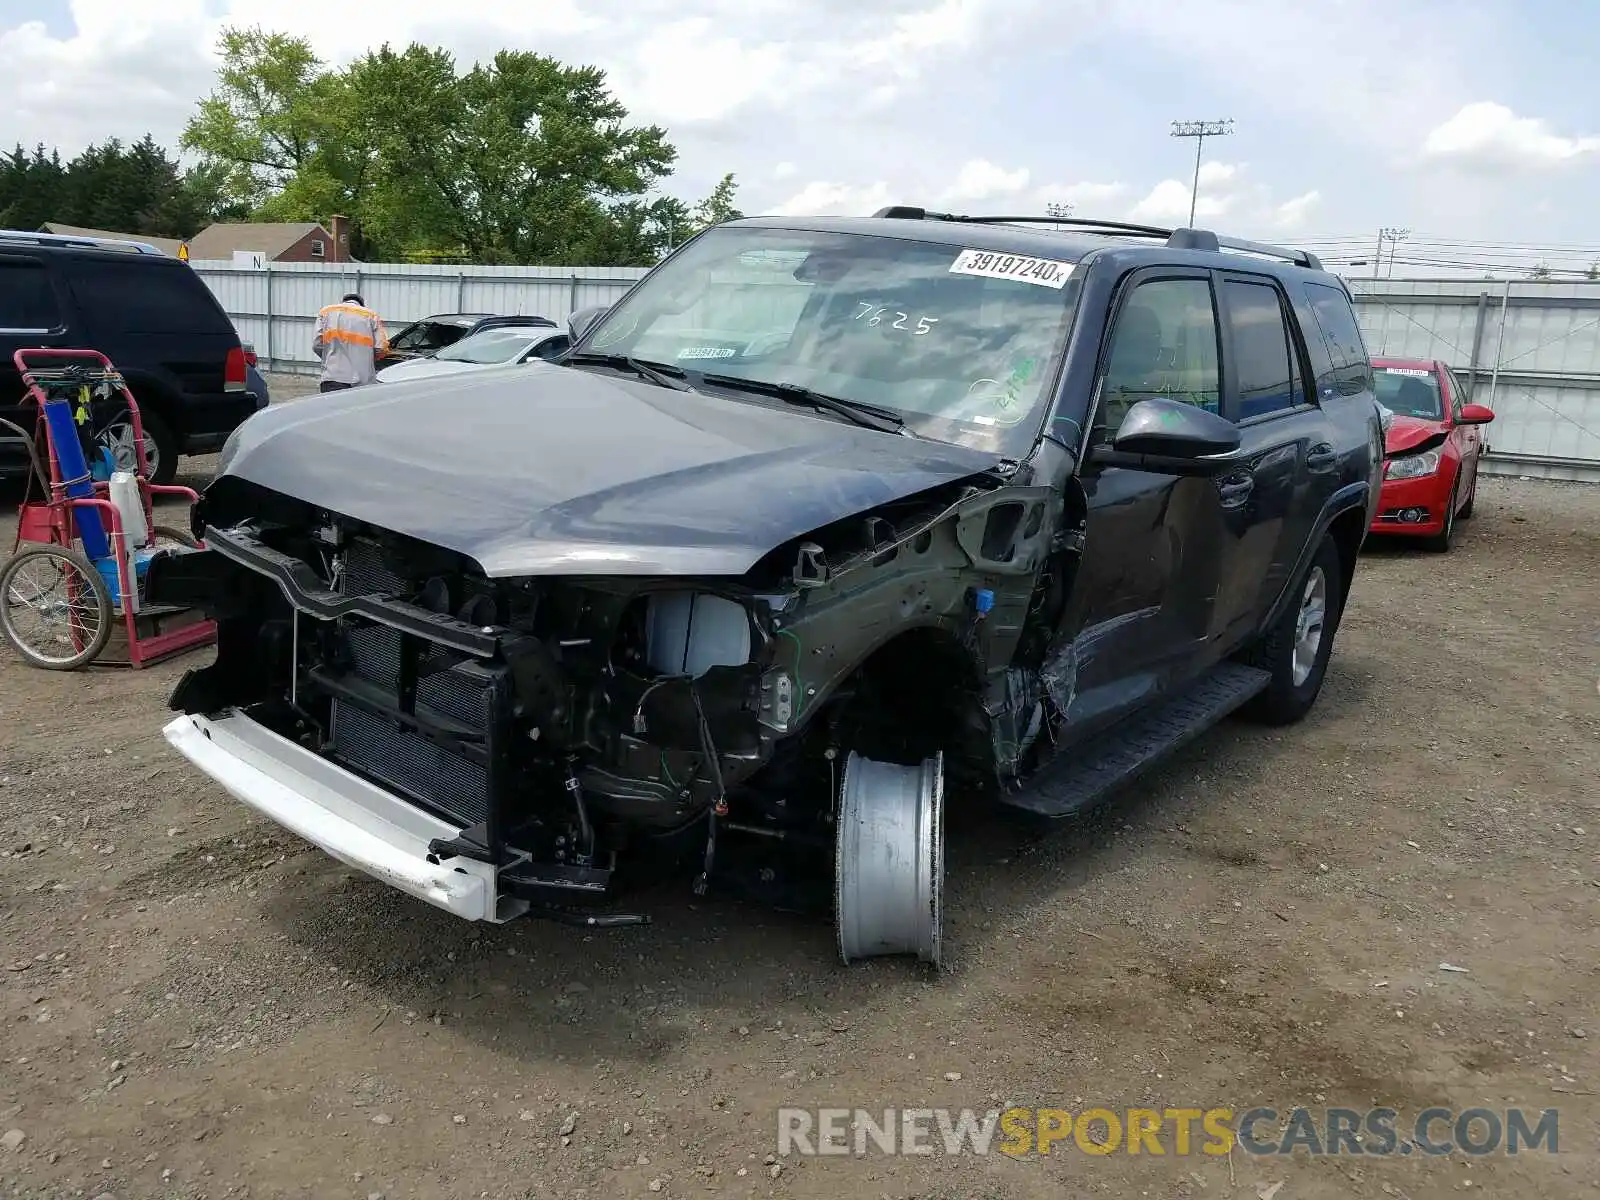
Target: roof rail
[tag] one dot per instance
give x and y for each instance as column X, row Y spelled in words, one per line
column 1177, row 239
column 1204, row 239
column 66, row 239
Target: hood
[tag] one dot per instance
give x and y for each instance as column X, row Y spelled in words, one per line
column 1412, row 435
column 538, row 469
column 423, row 368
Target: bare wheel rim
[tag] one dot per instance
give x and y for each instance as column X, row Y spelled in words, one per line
column 889, row 860
column 119, row 440
column 52, row 608
column 1309, row 625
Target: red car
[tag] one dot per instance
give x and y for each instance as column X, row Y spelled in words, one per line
column 1431, row 450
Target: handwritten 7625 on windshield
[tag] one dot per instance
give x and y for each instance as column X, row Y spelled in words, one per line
column 878, row 313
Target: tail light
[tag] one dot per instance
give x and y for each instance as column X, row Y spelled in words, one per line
column 236, row 372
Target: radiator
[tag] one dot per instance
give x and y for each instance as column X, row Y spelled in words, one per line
column 460, row 692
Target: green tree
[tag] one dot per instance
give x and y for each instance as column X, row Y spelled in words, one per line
column 519, row 160
column 718, row 206
column 265, row 120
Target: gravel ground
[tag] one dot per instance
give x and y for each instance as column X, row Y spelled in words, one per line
column 200, row 1005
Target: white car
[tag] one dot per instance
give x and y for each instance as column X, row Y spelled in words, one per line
column 498, row 346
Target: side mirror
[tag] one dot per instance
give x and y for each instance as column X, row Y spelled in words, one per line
column 1475, row 414
column 1173, row 438
column 580, row 322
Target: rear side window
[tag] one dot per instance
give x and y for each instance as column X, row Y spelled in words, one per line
column 1263, row 361
column 1341, row 334
column 27, row 299
column 146, row 298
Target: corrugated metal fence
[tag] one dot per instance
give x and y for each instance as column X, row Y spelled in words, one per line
column 1529, row 349
column 276, row 308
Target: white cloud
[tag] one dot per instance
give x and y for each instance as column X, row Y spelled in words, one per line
column 1292, row 214
column 1490, row 137
column 980, row 179
column 785, row 170
column 824, row 199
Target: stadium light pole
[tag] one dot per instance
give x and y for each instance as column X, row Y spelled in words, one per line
column 1058, row 209
column 1199, row 131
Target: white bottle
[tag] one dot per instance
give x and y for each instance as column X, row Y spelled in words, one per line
column 125, row 495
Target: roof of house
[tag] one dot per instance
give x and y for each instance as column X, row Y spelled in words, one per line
column 219, row 241
column 165, row 245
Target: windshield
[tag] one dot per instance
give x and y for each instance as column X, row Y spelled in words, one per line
column 962, row 343
column 492, row 346
column 1409, row 392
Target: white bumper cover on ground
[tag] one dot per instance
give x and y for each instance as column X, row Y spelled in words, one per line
column 351, row 819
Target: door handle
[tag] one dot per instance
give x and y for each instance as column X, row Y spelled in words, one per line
column 1236, row 490
column 1321, row 456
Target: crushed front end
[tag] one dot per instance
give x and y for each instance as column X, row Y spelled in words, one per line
column 490, row 746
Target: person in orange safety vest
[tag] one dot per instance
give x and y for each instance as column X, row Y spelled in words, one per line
column 349, row 340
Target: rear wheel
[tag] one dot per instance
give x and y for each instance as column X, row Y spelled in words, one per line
column 160, row 445
column 1295, row 650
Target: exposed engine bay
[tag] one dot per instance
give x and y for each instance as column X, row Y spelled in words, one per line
column 579, row 728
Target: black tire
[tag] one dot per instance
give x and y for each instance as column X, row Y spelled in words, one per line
column 173, row 534
column 160, row 444
column 1290, row 695
column 1439, row 543
column 99, row 602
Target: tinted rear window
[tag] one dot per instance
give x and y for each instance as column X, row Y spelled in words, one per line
column 1341, row 334
column 143, row 297
column 27, row 300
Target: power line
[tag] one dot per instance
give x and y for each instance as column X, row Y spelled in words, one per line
column 1199, row 131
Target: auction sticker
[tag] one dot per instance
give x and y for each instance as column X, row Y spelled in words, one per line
column 1046, row 272
column 1414, row 372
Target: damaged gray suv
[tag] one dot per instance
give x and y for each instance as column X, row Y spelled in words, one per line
column 824, row 520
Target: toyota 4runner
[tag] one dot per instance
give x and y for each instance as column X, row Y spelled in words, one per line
column 823, row 518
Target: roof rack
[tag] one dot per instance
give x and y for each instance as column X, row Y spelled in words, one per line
column 66, row 239
column 1177, row 239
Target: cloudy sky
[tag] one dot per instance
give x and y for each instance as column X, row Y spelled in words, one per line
column 1463, row 122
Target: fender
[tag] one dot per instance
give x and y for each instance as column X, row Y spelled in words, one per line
column 1351, row 496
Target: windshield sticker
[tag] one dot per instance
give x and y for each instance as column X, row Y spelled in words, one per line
column 1412, row 371
column 1045, row 272
column 706, row 352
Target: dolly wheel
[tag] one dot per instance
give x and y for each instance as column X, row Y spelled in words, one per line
column 54, row 608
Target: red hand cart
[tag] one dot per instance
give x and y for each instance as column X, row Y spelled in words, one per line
column 59, row 608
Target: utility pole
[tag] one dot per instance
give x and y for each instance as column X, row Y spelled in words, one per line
column 1393, row 237
column 1058, row 209
column 1199, row 131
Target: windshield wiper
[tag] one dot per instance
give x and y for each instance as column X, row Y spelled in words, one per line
column 869, row 416
column 664, row 374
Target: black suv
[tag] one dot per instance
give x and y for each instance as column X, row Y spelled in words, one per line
column 822, row 518
column 151, row 315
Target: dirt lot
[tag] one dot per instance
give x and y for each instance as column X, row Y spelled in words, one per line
column 196, row 1004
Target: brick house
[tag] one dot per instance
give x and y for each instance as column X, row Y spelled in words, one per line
column 285, row 242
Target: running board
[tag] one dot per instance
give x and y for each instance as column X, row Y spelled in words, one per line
column 1083, row 777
